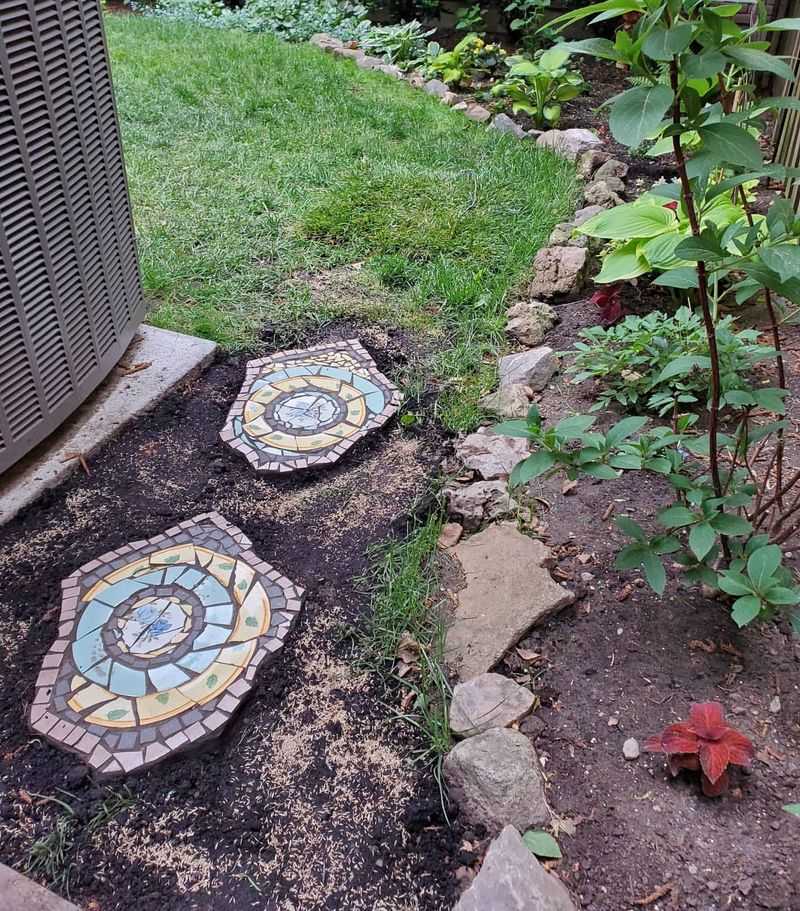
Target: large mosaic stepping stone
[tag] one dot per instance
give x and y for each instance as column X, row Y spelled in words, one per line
column 159, row 643
column 303, row 408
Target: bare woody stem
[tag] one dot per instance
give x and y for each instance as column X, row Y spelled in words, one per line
column 702, row 292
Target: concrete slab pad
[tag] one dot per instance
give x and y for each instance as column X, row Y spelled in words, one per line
column 128, row 392
column 17, row 892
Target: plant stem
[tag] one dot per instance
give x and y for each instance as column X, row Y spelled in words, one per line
column 702, row 294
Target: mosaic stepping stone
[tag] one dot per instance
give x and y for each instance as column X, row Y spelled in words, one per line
column 304, row 408
column 159, row 643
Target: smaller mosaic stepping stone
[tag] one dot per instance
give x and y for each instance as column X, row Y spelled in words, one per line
column 305, row 408
column 159, row 643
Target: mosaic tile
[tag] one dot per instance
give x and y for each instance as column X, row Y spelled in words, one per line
column 304, row 408
column 166, row 639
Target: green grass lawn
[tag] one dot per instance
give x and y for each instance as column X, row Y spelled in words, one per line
column 251, row 160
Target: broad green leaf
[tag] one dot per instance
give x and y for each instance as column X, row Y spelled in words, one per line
column 702, row 538
column 725, row 142
column 542, row 844
column 751, row 59
column 705, row 247
column 683, row 365
column 676, row 517
column 638, row 112
column 665, row 43
column 572, row 427
column 623, row 264
column 727, row 524
column 771, row 399
column 626, row 460
column 595, row 47
column 513, row 429
column 654, row 572
column 684, row 277
column 735, row 583
column 762, row 563
column 632, row 529
column 745, row 610
column 793, row 807
column 630, row 220
column 705, row 65
column 603, row 472
column 631, row 556
column 624, row 428
column 532, row 467
column 781, row 25
column 779, row 594
column 783, row 259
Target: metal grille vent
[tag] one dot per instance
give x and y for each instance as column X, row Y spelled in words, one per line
column 70, row 294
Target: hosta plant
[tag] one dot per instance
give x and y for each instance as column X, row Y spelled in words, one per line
column 537, row 87
column 405, row 45
column 704, row 744
column 732, row 491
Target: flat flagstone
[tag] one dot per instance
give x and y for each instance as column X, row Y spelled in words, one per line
column 159, row 642
column 306, row 408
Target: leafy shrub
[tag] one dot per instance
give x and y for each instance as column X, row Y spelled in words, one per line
column 528, row 21
column 292, row 20
column 660, row 362
column 704, row 744
column 472, row 58
column 405, row 45
column 470, row 19
column 538, row 86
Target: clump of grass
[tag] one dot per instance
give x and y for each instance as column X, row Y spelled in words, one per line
column 48, row 856
column 403, row 582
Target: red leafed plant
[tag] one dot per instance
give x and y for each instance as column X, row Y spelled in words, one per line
column 607, row 300
column 706, row 744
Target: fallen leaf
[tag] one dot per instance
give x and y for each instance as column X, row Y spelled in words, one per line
column 583, row 559
column 706, row 645
column 624, row 593
column 407, row 701
column 564, row 825
column 528, row 655
column 24, row 796
column 730, row 649
column 568, row 487
column 408, row 649
column 654, row 896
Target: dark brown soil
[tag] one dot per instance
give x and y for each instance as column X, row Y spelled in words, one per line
column 309, row 801
column 623, row 653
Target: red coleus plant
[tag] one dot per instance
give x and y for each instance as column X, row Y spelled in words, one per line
column 706, row 744
column 609, row 303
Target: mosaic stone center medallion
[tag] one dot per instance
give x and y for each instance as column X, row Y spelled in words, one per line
column 158, row 644
column 303, row 408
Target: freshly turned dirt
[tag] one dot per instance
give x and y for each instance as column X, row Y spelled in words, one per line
column 310, row 800
column 623, row 653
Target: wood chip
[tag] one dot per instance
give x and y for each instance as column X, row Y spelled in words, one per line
column 706, row 645
column 654, row 896
column 568, row 487
column 624, row 593
column 529, row 656
column 609, row 512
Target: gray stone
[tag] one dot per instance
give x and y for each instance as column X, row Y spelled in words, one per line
column 325, row 42
column 491, row 455
column 528, row 321
column 488, row 701
column 366, row 62
column 512, row 879
column 496, row 780
column 604, row 193
column 583, row 215
column 611, row 168
column 171, row 358
column 507, row 591
column 509, row 401
column 533, row 368
column 451, row 99
column 17, row 892
column 630, row 749
column 436, row 87
column 502, row 123
column 460, row 106
column 482, row 501
column 353, row 53
column 562, row 236
column 589, row 162
column 415, row 79
column 559, row 271
column 391, row 70
column 477, row 113
column 569, row 144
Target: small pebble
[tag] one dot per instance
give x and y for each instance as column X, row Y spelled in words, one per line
column 630, row 749
column 587, row 577
column 775, row 705
column 613, row 721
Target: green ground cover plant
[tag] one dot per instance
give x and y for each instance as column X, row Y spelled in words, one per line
column 735, row 505
column 252, row 161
